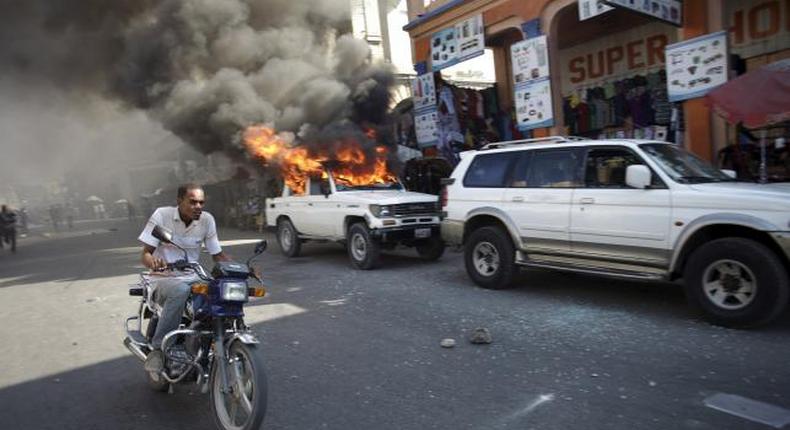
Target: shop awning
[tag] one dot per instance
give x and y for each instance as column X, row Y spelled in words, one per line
column 757, row 99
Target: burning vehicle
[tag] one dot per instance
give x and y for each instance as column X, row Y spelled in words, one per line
column 344, row 193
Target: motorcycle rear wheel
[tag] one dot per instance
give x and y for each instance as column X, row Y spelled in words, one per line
column 247, row 399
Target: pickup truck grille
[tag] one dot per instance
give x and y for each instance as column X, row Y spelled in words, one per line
column 408, row 209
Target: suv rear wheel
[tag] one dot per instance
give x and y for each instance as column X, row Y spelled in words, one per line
column 736, row 282
column 489, row 256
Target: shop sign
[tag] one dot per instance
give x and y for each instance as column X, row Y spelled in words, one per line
column 530, row 59
column 459, row 43
column 423, row 90
column 615, row 56
column 670, row 11
column 758, row 27
column 426, row 127
column 591, row 8
column 533, row 105
column 696, row 66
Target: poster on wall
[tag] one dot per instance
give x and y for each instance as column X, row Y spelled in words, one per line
column 670, row 11
column 533, row 105
column 530, row 59
column 426, row 127
column 592, row 8
column 423, row 90
column 459, row 43
column 696, row 66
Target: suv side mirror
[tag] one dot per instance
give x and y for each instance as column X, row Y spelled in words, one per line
column 325, row 189
column 162, row 234
column 638, row 176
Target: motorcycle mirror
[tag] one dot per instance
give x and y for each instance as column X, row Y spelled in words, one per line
column 162, row 234
column 260, row 247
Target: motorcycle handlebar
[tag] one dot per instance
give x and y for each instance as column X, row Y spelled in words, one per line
column 182, row 265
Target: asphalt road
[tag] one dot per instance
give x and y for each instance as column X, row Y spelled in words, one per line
column 347, row 349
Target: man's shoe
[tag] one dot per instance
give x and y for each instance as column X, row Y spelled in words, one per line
column 155, row 361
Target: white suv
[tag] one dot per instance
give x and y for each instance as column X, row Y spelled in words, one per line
column 625, row 208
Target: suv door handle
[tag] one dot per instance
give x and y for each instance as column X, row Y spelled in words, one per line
column 587, row 200
column 518, row 199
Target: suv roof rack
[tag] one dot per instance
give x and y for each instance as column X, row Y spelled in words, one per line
column 547, row 139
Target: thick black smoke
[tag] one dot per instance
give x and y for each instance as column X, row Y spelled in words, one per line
column 205, row 69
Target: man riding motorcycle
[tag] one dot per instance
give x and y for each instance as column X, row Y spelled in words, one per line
column 191, row 228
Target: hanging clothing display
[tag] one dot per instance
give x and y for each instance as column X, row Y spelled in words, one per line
column 637, row 106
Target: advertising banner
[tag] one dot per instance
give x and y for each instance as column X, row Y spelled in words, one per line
column 471, row 38
column 533, row 104
column 530, row 59
column 424, row 91
column 591, row 8
column 425, row 127
column 696, row 66
column 670, row 11
column 459, row 43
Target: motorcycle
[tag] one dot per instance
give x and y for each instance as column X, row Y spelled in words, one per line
column 212, row 348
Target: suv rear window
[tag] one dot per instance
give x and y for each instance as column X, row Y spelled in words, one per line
column 489, row 170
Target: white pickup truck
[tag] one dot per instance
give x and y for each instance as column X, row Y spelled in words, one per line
column 366, row 219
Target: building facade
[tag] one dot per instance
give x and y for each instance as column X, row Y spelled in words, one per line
column 614, row 60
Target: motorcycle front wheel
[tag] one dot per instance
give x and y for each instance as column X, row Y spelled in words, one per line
column 244, row 406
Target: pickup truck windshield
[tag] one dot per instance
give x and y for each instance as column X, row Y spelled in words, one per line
column 683, row 166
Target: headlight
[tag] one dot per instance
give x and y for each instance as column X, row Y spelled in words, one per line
column 234, row 291
column 380, row 210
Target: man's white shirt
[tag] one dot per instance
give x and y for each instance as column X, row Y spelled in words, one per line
column 202, row 231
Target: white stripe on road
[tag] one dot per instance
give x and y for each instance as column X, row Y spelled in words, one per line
column 749, row 409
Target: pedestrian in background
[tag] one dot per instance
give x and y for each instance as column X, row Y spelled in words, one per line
column 130, row 211
column 8, row 227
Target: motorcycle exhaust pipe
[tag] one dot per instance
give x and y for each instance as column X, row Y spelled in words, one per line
column 136, row 350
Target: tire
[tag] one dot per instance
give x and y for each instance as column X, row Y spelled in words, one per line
column 489, row 257
column 747, row 283
column 257, row 387
column 364, row 252
column 288, row 239
column 431, row 249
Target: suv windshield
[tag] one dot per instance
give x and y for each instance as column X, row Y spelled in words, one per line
column 683, row 166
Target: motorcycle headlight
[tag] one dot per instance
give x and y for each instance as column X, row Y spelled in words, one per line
column 234, row 291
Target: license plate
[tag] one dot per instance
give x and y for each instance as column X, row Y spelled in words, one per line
column 422, row 233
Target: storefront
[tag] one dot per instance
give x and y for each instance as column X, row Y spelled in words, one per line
column 759, row 34
column 606, row 74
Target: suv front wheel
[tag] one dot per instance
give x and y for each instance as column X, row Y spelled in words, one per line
column 489, row 256
column 288, row 239
column 736, row 282
column 362, row 249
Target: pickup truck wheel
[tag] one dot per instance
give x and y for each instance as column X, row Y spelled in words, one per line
column 489, row 256
column 363, row 251
column 736, row 282
column 288, row 239
column 431, row 249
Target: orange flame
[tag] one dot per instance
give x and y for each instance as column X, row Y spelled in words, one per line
column 297, row 163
